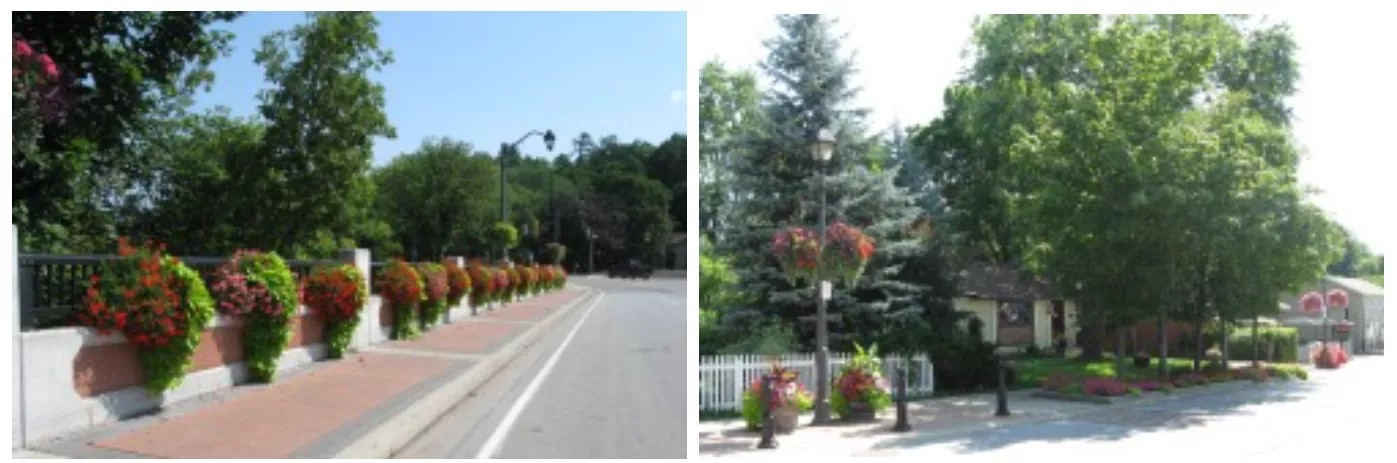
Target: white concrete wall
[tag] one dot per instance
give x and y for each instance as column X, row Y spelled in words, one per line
column 1043, row 323
column 52, row 407
column 17, row 368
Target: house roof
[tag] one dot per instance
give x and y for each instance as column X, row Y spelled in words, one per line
column 1354, row 285
column 1002, row 281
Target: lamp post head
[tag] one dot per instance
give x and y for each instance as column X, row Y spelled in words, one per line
column 823, row 146
column 548, row 139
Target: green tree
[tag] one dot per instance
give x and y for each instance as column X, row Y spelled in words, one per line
column 118, row 72
column 437, row 195
column 322, row 112
column 728, row 110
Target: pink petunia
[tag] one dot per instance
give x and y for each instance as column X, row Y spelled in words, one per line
column 22, row 49
column 50, row 69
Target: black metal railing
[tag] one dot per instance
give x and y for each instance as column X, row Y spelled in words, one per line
column 52, row 287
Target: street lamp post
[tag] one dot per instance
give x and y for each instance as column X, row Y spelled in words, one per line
column 822, row 149
column 553, row 209
column 591, row 237
column 548, row 140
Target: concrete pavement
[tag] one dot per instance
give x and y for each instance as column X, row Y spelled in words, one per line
column 364, row 406
column 1320, row 417
column 614, row 386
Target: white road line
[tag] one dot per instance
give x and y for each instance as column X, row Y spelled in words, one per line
column 496, row 440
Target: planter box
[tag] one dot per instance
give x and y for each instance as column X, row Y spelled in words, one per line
column 1082, row 398
column 861, row 412
column 786, row 419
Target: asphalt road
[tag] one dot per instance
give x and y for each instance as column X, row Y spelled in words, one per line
column 615, row 390
column 1337, row 413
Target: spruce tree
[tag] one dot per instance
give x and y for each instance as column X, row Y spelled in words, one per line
column 776, row 180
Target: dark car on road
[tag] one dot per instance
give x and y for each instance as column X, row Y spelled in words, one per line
column 630, row 269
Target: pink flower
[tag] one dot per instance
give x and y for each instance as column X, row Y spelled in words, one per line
column 22, row 50
column 50, row 69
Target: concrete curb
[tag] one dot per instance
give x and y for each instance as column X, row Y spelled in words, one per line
column 395, row 432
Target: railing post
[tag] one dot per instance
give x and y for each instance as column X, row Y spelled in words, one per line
column 18, row 412
column 361, row 259
column 460, row 263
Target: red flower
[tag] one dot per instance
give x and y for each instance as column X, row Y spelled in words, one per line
column 22, row 49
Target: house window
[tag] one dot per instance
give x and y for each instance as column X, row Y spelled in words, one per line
column 1015, row 323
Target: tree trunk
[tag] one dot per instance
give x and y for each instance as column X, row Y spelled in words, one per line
column 1163, row 345
column 1222, row 331
column 1198, row 347
column 1255, row 345
column 1120, row 352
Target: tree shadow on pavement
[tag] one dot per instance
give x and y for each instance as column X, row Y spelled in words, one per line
column 1111, row 422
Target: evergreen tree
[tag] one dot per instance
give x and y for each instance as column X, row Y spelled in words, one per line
column 776, row 180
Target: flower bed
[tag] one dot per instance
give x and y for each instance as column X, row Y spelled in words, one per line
column 787, row 392
column 338, row 295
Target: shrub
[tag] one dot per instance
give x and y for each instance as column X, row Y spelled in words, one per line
column 503, row 290
column 1288, row 371
column 1278, row 343
column 482, row 283
column 787, row 391
column 861, row 380
column 458, row 281
column 504, row 235
column 964, row 363
column 157, row 302
column 435, row 290
column 1134, row 391
column 402, row 290
column 1103, row 387
column 554, row 253
column 338, row 294
column 261, row 289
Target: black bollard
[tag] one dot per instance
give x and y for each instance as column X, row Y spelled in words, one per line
column 768, row 422
column 902, row 424
column 1002, row 393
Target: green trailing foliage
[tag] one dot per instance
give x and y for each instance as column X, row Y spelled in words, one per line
column 266, row 332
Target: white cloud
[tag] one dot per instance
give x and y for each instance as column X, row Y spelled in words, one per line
column 904, row 62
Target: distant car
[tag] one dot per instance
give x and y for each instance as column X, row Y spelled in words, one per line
column 630, row 269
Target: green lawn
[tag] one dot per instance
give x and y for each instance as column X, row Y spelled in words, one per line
column 1032, row 371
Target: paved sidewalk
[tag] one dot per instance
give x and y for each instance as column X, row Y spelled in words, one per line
column 319, row 411
column 934, row 420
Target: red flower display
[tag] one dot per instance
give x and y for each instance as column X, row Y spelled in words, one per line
column 138, row 296
column 400, row 284
column 459, row 282
column 1337, row 298
column 336, row 293
column 847, row 251
column 798, row 251
column 1312, row 302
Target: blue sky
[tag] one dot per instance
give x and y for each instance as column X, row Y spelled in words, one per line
column 490, row 77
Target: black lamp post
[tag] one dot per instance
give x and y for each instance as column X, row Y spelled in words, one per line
column 552, row 209
column 1001, row 394
column 548, row 140
column 902, row 425
column 822, row 148
column 768, row 421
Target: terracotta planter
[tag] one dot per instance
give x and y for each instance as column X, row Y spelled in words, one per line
column 861, row 411
column 786, row 418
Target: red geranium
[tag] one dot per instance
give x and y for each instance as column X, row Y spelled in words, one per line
column 458, row 280
column 139, row 295
column 336, row 293
column 798, row 252
column 847, row 251
column 400, row 284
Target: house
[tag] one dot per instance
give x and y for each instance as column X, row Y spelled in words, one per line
column 1365, row 310
column 678, row 251
column 1017, row 310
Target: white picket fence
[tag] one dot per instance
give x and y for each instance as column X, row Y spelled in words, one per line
column 723, row 378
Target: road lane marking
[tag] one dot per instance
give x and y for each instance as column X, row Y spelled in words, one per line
column 496, row 440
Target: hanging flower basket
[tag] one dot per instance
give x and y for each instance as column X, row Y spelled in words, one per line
column 1312, row 302
column 847, row 252
column 798, row 251
column 1337, row 298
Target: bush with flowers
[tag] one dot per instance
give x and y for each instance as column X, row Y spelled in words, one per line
column 1329, row 356
column 504, row 290
column 338, row 294
column 798, row 252
column 436, row 287
column 482, row 284
column 402, row 290
column 516, row 283
column 36, row 94
column 259, row 288
column 846, row 251
column 786, row 391
column 458, row 282
column 528, row 280
column 860, row 381
column 157, row 302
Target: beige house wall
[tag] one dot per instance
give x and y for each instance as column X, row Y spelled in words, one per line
column 987, row 311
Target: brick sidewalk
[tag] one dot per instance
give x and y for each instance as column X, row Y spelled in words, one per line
column 308, row 414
